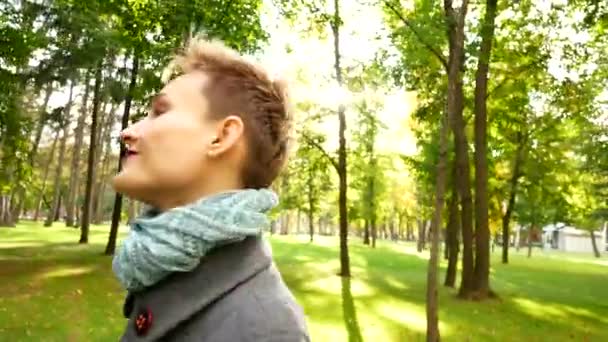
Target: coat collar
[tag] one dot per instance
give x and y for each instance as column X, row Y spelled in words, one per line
column 181, row 295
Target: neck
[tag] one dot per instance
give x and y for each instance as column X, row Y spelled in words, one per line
column 209, row 186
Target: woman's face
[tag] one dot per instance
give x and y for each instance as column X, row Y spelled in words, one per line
column 167, row 150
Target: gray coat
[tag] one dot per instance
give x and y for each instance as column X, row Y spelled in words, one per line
column 236, row 294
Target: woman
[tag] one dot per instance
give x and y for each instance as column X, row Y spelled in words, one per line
column 195, row 266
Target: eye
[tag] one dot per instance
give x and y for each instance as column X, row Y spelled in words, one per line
column 159, row 106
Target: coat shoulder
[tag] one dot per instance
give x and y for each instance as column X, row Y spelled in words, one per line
column 272, row 313
column 262, row 309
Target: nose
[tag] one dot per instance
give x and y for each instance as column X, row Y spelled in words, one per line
column 129, row 135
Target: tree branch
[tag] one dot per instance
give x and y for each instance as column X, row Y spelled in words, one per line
column 321, row 149
column 409, row 25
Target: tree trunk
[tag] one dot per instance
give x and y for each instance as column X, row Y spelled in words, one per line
column 321, row 231
column 298, row 219
column 104, row 143
column 45, row 175
column 481, row 280
column 421, row 242
column 410, row 231
column 452, row 243
column 506, row 219
column 99, row 210
column 20, row 198
column 432, row 301
column 58, row 171
column 344, row 258
column 374, row 230
column 42, row 117
column 75, row 166
column 366, row 233
column 391, row 228
column 455, row 29
column 86, row 210
column 400, row 227
column 311, row 226
column 111, row 245
column 4, row 211
column 530, row 230
column 596, row 251
column 57, row 213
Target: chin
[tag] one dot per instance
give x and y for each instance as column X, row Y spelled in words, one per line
column 129, row 186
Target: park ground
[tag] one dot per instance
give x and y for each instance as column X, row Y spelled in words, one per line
column 52, row 289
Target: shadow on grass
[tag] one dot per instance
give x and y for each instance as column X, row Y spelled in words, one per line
column 349, row 313
column 542, row 300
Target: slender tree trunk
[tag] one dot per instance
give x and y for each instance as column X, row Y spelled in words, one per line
column 4, row 210
column 20, row 198
column 311, row 226
column 45, row 175
column 58, row 171
column 506, row 219
column 101, row 123
column 596, row 251
column 530, row 231
column 344, row 257
column 57, row 213
column 452, row 243
column 517, row 238
column 75, row 166
column 374, row 230
column 455, row 20
column 432, row 301
column 311, row 204
column 86, row 211
column 391, row 227
column 42, row 117
column 111, row 245
column 421, row 243
column 366, row 232
column 410, row 231
column 400, row 227
column 104, row 175
column 481, row 280
column 101, row 163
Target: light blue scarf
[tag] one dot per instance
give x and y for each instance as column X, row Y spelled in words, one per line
column 160, row 243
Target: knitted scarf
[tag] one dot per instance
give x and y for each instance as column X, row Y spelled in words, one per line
column 160, row 243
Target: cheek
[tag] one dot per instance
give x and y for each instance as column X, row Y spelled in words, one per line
column 178, row 152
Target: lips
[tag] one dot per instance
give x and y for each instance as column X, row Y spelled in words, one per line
column 130, row 153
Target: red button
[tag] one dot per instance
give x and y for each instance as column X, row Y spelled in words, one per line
column 143, row 322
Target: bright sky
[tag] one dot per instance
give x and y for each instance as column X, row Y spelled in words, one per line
column 310, row 66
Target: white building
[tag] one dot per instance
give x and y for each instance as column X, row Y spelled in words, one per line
column 570, row 239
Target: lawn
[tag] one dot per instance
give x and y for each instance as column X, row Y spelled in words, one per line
column 52, row 289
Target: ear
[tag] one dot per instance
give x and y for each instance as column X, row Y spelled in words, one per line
column 228, row 133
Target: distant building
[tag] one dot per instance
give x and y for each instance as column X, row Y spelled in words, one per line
column 570, row 239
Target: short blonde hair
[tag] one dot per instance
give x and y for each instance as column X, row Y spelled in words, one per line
column 241, row 87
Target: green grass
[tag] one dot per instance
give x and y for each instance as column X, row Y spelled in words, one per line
column 52, row 289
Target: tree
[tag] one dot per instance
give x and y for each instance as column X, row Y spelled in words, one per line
column 452, row 232
column 76, row 152
column 111, row 245
column 455, row 18
column 86, row 212
column 57, row 182
column 432, row 330
column 481, row 279
column 335, row 23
